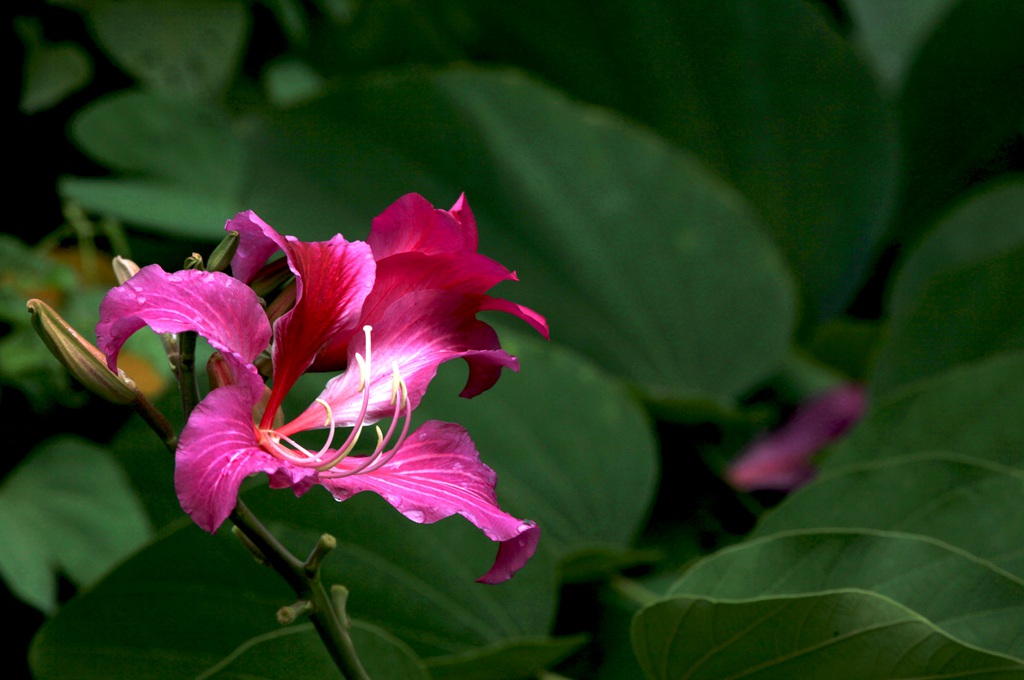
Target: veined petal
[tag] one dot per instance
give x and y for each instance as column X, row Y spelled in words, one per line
column 417, row 334
column 437, row 473
column 223, row 310
column 257, row 241
column 412, row 224
column 217, row 450
column 411, row 272
column 333, row 279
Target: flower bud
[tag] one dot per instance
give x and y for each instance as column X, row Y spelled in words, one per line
column 124, row 268
column 86, row 363
column 222, row 255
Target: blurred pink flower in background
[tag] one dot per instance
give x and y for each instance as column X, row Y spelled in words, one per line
column 781, row 460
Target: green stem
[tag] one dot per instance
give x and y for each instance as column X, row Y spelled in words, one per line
column 302, row 577
column 184, row 364
column 307, row 586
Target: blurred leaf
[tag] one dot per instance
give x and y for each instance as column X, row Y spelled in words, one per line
column 291, row 81
column 945, row 497
column 515, row 659
column 891, row 31
column 415, row 581
column 965, row 597
column 961, row 315
column 988, row 222
column 630, row 248
column 957, row 112
column 174, row 210
column 145, row 134
column 847, row 345
column 973, row 410
column 845, row 635
column 296, row 652
column 66, row 509
column 572, row 448
column 52, row 71
column 181, row 48
column 764, row 91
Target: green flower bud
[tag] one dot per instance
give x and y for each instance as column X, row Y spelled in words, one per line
column 222, row 255
column 86, row 363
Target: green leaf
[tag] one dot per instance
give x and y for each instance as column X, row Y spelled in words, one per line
column 957, row 115
column 67, row 509
column 416, row 581
column 892, row 31
column 971, row 410
column 990, row 221
column 937, row 495
column 515, row 659
column 297, row 652
column 183, row 48
column 846, row 635
column 142, row 133
column 959, row 316
column 52, row 71
column 174, row 610
column 965, row 597
column 631, row 248
column 169, row 208
column 764, row 91
column 573, row 449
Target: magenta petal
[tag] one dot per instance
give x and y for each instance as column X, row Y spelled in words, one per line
column 333, row 278
column 217, row 450
column 418, row 333
column 257, row 241
column 412, row 224
column 437, row 473
column 782, row 459
column 221, row 309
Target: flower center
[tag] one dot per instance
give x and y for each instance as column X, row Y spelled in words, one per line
column 326, row 460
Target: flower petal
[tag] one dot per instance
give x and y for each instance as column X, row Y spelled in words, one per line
column 418, row 333
column 412, row 224
column 333, row 278
column 223, row 310
column 782, row 459
column 217, row 450
column 257, row 241
column 437, row 473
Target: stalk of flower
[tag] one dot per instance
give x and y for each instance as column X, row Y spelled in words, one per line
column 389, row 311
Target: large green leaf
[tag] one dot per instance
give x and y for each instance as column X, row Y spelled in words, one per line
column 296, row 652
column 958, row 112
column 174, row 610
column 891, row 31
column 967, row 598
column 988, row 222
column 187, row 48
column 188, row 605
column 972, row 410
column 67, row 509
column 959, row 316
column 630, row 248
column 145, row 134
column 845, row 635
column 938, row 495
column 765, row 91
column 416, row 581
column 514, row 659
column 572, row 448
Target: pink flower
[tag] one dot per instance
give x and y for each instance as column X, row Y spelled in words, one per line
column 782, row 459
column 388, row 311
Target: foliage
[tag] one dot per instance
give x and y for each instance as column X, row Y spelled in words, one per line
column 720, row 206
